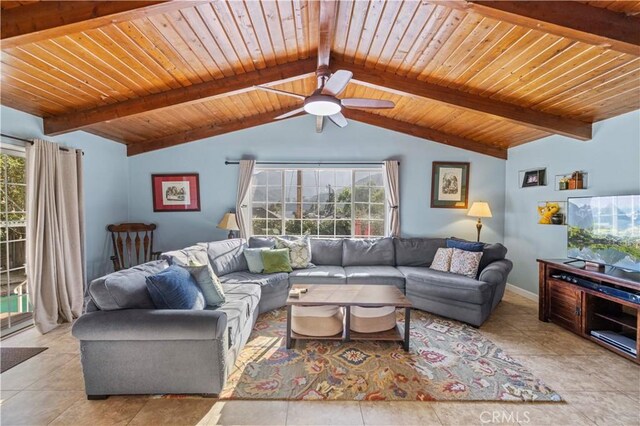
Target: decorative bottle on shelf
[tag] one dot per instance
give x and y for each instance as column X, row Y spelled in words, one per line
column 576, row 177
column 563, row 184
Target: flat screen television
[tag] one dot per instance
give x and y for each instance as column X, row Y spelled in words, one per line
column 605, row 230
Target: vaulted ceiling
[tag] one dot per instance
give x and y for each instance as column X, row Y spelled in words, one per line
column 480, row 75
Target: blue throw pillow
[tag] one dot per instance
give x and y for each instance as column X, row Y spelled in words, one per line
column 464, row 245
column 175, row 288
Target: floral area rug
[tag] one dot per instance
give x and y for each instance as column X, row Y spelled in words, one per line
column 448, row 361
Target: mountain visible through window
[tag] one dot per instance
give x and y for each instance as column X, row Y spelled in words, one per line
column 318, row 202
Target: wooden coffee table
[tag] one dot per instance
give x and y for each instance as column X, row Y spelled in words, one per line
column 348, row 295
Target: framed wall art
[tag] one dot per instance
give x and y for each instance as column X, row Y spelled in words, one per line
column 176, row 192
column 449, row 185
column 533, row 177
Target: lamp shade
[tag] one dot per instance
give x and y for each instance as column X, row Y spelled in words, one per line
column 228, row 222
column 480, row 209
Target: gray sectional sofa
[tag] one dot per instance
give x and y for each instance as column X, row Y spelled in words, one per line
column 129, row 347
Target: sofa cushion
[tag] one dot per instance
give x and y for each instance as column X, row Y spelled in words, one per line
column 262, row 242
column 254, row 259
column 465, row 262
column 299, row 251
column 197, row 253
column 326, row 274
column 276, row 260
column 427, row 283
column 417, row 251
column 175, row 288
column 326, row 251
column 464, row 245
column 385, row 275
column 126, row 289
column 374, row 252
column 226, row 256
column 442, row 260
column 208, row 282
column 490, row 253
column 242, row 301
column 263, row 280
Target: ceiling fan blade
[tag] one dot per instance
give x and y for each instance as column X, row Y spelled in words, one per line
column 366, row 103
column 289, row 114
column 337, row 82
column 280, row 92
column 338, row 119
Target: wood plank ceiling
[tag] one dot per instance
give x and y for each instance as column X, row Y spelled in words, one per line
column 478, row 75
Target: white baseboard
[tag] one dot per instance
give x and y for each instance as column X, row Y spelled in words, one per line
column 522, row 292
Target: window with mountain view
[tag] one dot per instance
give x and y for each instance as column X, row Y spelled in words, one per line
column 318, row 202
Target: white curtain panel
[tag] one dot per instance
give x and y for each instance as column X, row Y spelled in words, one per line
column 244, row 186
column 392, row 188
column 55, row 234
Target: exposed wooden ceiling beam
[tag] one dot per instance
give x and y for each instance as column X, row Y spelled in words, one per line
column 328, row 10
column 456, row 98
column 45, row 20
column 326, row 28
column 570, row 19
column 425, row 133
column 205, row 132
column 181, row 96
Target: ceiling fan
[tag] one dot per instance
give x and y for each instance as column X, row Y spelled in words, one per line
column 324, row 101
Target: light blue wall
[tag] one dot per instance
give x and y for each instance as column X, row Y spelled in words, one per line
column 296, row 139
column 105, row 182
column 612, row 160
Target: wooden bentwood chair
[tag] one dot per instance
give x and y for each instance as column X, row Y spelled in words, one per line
column 127, row 251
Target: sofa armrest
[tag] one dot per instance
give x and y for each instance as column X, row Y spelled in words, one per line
column 496, row 272
column 151, row 324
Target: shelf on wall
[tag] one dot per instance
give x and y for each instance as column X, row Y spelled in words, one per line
column 532, row 177
column 560, row 215
column 572, row 183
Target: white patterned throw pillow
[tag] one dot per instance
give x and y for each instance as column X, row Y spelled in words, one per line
column 442, row 260
column 465, row 262
column 299, row 251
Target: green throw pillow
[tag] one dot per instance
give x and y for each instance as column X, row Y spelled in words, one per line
column 276, row 261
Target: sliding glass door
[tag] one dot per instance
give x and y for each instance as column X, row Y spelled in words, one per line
column 15, row 307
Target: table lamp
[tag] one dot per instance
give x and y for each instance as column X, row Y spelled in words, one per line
column 479, row 209
column 228, row 222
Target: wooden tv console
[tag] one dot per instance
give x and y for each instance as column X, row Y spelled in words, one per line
column 581, row 309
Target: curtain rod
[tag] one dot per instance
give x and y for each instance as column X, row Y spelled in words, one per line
column 319, row 163
column 30, row 142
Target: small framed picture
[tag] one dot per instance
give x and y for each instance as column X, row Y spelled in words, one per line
column 176, row 192
column 533, row 178
column 450, row 185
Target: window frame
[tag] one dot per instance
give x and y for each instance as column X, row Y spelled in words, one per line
column 283, row 203
column 20, row 319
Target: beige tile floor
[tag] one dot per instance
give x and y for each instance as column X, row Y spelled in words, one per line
column 600, row 388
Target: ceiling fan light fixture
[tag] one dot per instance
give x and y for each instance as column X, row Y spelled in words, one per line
column 322, row 105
